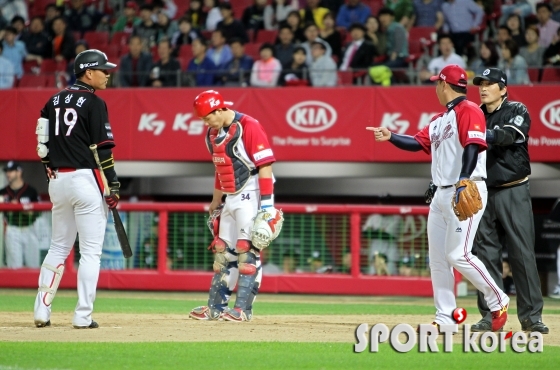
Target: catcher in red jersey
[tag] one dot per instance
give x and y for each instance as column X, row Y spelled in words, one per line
column 247, row 221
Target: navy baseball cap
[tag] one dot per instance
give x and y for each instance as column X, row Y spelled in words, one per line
column 12, row 166
column 494, row 75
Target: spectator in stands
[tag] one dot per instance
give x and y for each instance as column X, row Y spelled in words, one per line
column 14, row 50
column 427, row 13
column 253, row 16
column 36, row 40
column 516, row 29
column 51, row 12
column 7, row 74
column 532, row 53
column 196, row 15
column 19, row 24
column 513, row 64
column 397, row 39
column 504, row 34
column 166, row 27
column 555, row 8
column 359, row 53
column 81, row 45
column 266, row 71
column 167, row 7
column 489, row 57
column 332, row 36
column 547, row 27
column 136, row 65
column 147, row 29
column 129, row 19
column 184, row 36
column 354, row 11
column 81, row 18
column 167, row 70
column 404, row 11
column 332, row 5
column 294, row 22
column 239, row 67
column 63, row 41
column 276, row 13
column 313, row 13
column 220, row 52
column 3, row 21
column 311, row 35
column 201, row 69
column 213, row 14
column 322, row 71
column 447, row 57
column 11, row 8
column 462, row 19
column 295, row 73
column 552, row 53
column 231, row 28
column 375, row 35
column 521, row 8
column 284, row 50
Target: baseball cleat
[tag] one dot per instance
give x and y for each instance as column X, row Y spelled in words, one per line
column 530, row 327
column 235, row 315
column 204, row 313
column 482, row 326
column 499, row 318
column 433, row 323
column 93, row 325
column 42, row 324
column 556, row 293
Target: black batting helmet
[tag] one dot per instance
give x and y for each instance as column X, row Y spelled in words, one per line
column 91, row 59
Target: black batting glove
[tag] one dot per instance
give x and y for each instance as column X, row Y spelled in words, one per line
column 113, row 198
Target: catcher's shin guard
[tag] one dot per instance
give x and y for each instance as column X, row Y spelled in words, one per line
column 250, row 275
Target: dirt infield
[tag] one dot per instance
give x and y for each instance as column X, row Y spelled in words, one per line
column 178, row 328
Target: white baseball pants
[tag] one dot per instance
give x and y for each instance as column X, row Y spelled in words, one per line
column 450, row 244
column 77, row 207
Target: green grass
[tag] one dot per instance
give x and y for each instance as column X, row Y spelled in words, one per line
column 246, row 355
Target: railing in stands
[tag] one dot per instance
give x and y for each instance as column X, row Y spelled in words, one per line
column 323, row 249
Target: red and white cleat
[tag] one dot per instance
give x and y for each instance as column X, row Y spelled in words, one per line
column 204, row 313
column 235, row 314
column 499, row 318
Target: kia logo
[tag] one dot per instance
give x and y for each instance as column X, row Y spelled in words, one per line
column 550, row 115
column 311, row 116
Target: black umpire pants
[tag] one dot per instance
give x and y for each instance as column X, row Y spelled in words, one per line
column 508, row 222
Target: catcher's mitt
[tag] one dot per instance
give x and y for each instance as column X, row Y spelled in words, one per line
column 266, row 228
column 466, row 202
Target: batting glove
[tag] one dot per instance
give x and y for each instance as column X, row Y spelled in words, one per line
column 113, row 198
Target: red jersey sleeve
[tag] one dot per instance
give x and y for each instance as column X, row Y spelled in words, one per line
column 423, row 138
column 471, row 125
column 256, row 142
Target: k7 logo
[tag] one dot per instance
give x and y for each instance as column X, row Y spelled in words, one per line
column 182, row 122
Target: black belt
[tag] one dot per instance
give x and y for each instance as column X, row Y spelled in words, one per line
column 477, row 178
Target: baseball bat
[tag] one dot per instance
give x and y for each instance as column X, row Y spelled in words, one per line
column 119, row 228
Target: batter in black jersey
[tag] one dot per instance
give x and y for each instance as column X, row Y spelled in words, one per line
column 507, row 223
column 70, row 122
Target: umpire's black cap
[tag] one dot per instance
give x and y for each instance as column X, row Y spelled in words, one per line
column 495, row 75
column 12, row 166
column 91, row 59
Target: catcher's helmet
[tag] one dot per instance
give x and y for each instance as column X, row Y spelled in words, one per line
column 209, row 101
column 91, row 59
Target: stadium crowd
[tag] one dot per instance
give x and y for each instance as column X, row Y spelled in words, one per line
column 267, row 43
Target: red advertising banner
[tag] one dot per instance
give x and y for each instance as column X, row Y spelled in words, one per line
column 303, row 124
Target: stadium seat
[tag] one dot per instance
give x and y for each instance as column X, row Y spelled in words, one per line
column 33, row 81
column 123, row 51
column 238, row 7
column 97, row 40
column 534, row 74
column 252, row 50
column 344, row 78
column 120, row 38
column 550, row 75
column 184, row 62
column 30, row 67
column 112, row 51
column 419, row 33
column 50, row 66
column 374, row 5
column 186, row 52
column 266, row 36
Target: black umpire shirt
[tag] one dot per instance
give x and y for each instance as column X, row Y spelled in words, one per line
column 77, row 118
column 24, row 195
column 509, row 163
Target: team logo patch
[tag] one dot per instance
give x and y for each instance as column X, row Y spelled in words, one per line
column 486, row 72
column 518, row 120
column 476, row 135
column 263, row 154
column 87, row 65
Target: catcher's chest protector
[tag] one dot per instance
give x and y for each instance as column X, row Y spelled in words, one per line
column 233, row 172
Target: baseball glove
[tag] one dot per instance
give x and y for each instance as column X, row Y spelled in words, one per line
column 466, row 200
column 266, row 228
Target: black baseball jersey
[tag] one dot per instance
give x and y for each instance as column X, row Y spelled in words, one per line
column 508, row 163
column 24, row 195
column 77, row 118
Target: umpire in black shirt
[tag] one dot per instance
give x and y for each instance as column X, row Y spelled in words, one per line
column 508, row 218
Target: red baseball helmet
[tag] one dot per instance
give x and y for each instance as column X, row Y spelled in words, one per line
column 209, row 101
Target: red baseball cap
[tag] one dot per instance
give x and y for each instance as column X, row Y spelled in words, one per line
column 131, row 4
column 452, row 74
